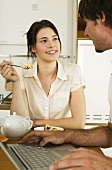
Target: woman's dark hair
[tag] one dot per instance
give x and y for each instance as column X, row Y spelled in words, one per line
column 33, row 31
column 94, row 9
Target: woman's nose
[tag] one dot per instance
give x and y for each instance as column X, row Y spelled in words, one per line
column 51, row 44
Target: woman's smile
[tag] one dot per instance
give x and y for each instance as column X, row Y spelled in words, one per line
column 52, row 52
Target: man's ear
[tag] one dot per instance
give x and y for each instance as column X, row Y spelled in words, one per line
column 103, row 18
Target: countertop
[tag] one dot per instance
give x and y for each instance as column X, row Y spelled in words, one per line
column 6, row 104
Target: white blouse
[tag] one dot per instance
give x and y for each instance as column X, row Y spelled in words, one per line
column 56, row 104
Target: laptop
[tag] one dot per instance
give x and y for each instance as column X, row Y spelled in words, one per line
column 34, row 157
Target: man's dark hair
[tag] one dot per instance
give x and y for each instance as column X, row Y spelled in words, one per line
column 94, row 9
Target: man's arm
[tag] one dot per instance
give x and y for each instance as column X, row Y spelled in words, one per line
column 110, row 125
column 100, row 136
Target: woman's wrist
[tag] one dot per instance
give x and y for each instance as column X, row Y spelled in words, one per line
column 16, row 82
column 35, row 124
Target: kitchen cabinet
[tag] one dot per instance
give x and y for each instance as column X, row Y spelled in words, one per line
column 80, row 29
column 80, row 26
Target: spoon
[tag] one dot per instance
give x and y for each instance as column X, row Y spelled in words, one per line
column 24, row 67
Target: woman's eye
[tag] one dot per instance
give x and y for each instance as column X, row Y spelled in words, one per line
column 55, row 39
column 44, row 41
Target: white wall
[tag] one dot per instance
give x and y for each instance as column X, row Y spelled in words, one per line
column 17, row 16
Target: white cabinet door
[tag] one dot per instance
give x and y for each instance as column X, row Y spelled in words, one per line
column 96, row 68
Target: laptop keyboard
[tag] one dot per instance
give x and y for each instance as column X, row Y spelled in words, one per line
column 35, row 157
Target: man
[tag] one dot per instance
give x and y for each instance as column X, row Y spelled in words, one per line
column 98, row 17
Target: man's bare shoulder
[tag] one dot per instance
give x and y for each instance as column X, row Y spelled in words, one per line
column 110, row 125
column 110, row 122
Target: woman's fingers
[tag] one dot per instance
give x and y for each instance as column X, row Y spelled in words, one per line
column 4, row 63
column 6, row 69
column 8, row 72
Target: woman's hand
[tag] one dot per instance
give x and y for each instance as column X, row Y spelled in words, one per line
column 8, row 72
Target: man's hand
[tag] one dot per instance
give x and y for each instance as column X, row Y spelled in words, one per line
column 83, row 159
column 44, row 137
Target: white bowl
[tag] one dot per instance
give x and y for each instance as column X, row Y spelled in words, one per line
column 41, row 128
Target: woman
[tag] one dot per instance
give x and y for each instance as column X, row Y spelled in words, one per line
column 52, row 91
